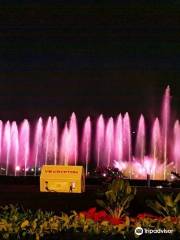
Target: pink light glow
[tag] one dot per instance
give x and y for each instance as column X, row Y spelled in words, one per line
column 141, row 169
column 120, row 165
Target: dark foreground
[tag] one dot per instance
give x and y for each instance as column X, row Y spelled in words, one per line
column 25, row 191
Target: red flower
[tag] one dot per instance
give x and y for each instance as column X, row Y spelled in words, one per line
column 89, row 214
column 96, row 217
column 91, row 211
column 102, row 214
column 115, row 220
column 108, row 218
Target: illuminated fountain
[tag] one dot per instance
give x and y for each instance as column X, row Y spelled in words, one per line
column 108, row 143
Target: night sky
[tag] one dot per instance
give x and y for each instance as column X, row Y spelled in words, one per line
column 88, row 58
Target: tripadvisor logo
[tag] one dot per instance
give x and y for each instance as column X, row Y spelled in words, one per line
column 138, row 231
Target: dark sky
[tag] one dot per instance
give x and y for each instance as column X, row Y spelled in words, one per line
column 88, row 58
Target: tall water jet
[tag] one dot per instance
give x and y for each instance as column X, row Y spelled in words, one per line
column 73, row 131
column 14, row 153
column 140, row 140
column 55, row 139
column 109, row 142
column 24, row 142
column 86, row 142
column 6, row 145
column 65, row 146
column 47, row 139
column 38, row 144
column 176, row 146
column 1, row 136
column 51, row 141
column 156, row 145
column 127, row 141
column 165, row 127
column 119, row 139
column 100, row 129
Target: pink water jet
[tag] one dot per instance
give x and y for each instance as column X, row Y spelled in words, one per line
column 127, row 141
column 73, row 132
column 1, row 136
column 14, row 152
column 47, row 140
column 176, row 146
column 109, row 143
column 165, row 127
column 100, row 132
column 156, row 144
column 24, row 146
column 6, row 145
column 118, row 152
column 55, row 139
column 86, row 142
column 69, row 143
column 140, row 140
column 38, row 145
column 65, row 146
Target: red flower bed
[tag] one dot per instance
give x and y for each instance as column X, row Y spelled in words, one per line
column 101, row 216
